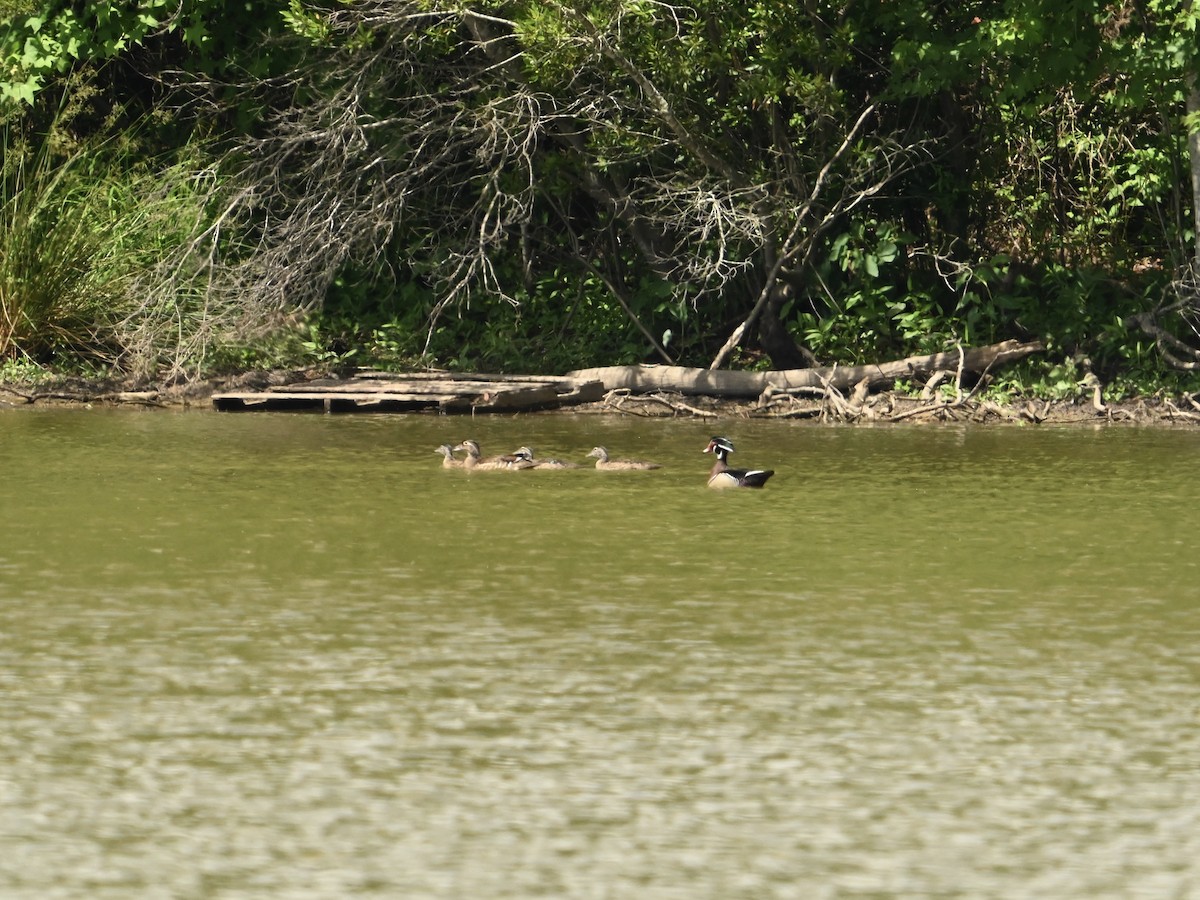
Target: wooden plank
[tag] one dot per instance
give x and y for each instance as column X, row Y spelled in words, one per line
column 355, row 387
column 441, row 386
column 319, row 397
column 448, row 395
column 372, row 375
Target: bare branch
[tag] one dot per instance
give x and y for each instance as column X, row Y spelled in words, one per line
column 423, row 134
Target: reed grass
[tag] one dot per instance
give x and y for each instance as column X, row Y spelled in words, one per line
column 54, row 292
column 93, row 261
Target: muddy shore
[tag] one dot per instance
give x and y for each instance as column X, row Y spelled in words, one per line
column 885, row 407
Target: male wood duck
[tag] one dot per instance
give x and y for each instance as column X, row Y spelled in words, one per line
column 613, row 465
column 448, row 460
column 475, row 459
column 722, row 476
column 543, row 462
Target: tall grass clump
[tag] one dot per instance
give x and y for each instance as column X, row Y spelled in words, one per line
column 95, row 268
column 57, row 293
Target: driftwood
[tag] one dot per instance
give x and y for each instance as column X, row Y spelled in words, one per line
column 705, row 382
column 627, row 402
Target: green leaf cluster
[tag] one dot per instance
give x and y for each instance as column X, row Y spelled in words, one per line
column 41, row 40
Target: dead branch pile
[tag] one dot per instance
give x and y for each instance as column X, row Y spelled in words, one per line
column 831, row 406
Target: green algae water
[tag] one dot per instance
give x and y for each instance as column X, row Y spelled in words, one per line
column 289, row 656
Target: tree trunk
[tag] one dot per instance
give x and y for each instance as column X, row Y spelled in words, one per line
column 1193, row 108
column 777, row 342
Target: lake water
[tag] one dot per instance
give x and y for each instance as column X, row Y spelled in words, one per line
column 289, row 656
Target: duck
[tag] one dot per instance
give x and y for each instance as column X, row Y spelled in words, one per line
column 475, row 459
column 448, row 460
column 605, row 464
column 526, row 453
column 722, row 476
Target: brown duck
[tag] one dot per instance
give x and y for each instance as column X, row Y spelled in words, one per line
column 614, row 465
column 448, row 460
column 543, row 462
column 475, row 460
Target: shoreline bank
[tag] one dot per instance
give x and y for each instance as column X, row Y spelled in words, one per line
column 828, row 407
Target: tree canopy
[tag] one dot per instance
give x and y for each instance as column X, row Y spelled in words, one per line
column 810, row 181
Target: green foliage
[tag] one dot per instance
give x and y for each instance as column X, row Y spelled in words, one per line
column 562, row 322
column 1048, row 174
column 1052, row 204
column 22, row 371
column 44, row 39
column 860, row 307
column 53, row 38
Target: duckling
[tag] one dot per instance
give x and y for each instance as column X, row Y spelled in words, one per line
column 448, row 460
column 604, row 463
column 474, row 459
column 526, row 453
column 722, row 476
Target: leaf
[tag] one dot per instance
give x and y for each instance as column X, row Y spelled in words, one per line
column 22, row 91
column 196, row 33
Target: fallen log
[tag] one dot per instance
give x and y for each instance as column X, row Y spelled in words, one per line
column 682, row 380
